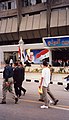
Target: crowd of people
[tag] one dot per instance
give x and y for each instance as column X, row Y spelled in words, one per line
column 13, row 75
column 16, row 75
column 61, row 63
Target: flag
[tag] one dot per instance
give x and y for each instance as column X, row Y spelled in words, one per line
column 43, row 54
column 19, row 53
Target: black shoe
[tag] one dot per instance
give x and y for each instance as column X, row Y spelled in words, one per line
column 41, row 100
column 24, row 92
column 3, row 102
column 56, row 102
column 16, row 100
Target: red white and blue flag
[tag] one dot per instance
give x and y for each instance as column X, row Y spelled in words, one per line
column 19, row 53
column 43, row 54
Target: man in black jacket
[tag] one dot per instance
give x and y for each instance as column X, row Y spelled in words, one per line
column 7, row 83
column 21, row 77
column 16, row 78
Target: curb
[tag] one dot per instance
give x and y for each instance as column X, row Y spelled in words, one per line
column 37, row 81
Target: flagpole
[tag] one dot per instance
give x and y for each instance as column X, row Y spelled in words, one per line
column 21, row 44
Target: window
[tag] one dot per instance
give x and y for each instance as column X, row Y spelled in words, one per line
column 44, row 1
column 25, row 2
column 33, row 2
column 38, row 1
column 3, row 6
column 13, row 4
column 7, row 5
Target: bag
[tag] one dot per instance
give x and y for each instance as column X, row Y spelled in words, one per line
column 40, row 90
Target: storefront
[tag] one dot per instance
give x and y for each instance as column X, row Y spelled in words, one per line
column 59, row 48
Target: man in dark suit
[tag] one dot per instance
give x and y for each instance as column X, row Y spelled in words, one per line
column 21, row 77
column 16, row 78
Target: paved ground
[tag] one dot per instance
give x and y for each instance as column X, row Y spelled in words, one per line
column 28, row 106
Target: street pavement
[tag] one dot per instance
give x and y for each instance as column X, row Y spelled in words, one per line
column 28, row 106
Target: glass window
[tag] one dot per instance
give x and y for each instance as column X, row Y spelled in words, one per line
column 33, row 2
column 25, row 2
column 8, row 5
column 13, row 4
column 44, row 1
column 38, row 1
column 3, row 6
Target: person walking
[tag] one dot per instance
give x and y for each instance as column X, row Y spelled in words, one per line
column 7, row 83
column 67, row 79
column 21, row 78
column 44, row 83
column 16, row 78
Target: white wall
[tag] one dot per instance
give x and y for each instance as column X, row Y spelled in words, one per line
column 14, row 48
column 9, row 48
column 1, row 56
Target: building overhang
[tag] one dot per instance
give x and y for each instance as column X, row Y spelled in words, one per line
column 56, row 42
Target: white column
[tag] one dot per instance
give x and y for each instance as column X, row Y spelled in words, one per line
column 50, row 57
column 21, row 44
column 1, row 57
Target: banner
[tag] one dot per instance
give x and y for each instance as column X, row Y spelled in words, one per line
column 37, row 55
column 56, row 41
column 43, row 54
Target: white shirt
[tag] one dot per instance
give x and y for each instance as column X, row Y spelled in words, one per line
column 11, row 61
column 46, row 76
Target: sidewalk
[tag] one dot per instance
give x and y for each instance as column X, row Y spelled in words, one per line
column 56, row 78
column 35, row 77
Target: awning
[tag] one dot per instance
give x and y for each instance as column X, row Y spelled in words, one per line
column 23, row 27
column 54, row 23
column 3, row 26
column 29, row 27
column 62, row 22
column 43, row 24
column 14, row 28
column 9, row 28
column 35, row 27
column 67, row 21
column 14, row 24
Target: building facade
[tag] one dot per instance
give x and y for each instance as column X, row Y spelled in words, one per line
column 32, row 20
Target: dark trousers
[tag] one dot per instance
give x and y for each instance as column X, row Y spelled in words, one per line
column 21, row 88
column 17, row 89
